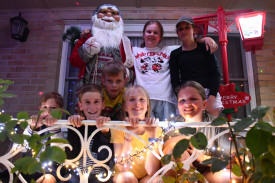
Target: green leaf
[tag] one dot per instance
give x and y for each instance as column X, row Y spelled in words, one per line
column 193, row 178
column 57, row 114
column 180, row 147
column 187, row 130
column 53, row 153
column 259, row 112
column 218, row 165
column 168, row 179
column 219, row 121
column 33, row 181
column 11, row 124
column 257, row 141
column 46, row 136
column 67, row 112
column 16, row 138
column 179, row 166
column 24, row 124
column 34, row 140
column 4, row 118
column 166, row 159
column 3, row 136
column 265, row 126
column 237, row 170
column 199, row 141
column 271, row 145
column 57, row 140
column 209, row 161
column 267, row 166
column 6, row 81
column 3, row 88
column 243, row 124
column 27, row 165
column 23, row 115
column 7, row 95
column 1, row 102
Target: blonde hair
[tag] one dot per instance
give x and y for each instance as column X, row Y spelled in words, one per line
column 127, row 93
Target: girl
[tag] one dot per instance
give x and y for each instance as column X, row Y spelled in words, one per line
column 136, row 107
column 90, row 106
column 192, row 108
column 152, row 70
column 191, row 61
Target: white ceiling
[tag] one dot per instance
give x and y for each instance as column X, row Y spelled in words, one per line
column 268, row 5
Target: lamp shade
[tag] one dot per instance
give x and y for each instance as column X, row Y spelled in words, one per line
column 19, row 30
column 251, row 27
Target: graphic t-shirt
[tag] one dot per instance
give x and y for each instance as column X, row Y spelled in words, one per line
column 153, row 73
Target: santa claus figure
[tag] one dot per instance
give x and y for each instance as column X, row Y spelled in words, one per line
column 106, row 42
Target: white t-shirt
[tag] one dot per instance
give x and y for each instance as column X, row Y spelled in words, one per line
column 153, row 73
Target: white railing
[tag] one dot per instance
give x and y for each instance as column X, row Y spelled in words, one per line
column 85, row 150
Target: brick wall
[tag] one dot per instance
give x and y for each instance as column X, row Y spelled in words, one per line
column 34, row 65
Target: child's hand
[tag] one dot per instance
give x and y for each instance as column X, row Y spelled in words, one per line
column 49, row 120
column 76, row 120
column 135, row 128
column 100, row 121
column 149, row 128
column 210, row 103
column 35, row 120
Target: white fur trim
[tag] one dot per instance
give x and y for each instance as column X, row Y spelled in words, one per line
column 129, row 61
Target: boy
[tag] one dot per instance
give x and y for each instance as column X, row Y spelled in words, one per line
column 114, row 81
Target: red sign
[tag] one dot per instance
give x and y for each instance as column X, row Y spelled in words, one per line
column 232, row 98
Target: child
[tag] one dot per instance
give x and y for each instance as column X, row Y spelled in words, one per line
column 90, row 105
column 152, row 70
column 192, row 62
column 113, row 80
column 136, row 107
column 192, row 108
column 48, row 102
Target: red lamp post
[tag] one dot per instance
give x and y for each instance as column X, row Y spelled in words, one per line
column 221, row 23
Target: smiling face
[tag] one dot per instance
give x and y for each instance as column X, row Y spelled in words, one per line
column 152, row 35
column 91, row 104
column 108, row 14
column 113, row 84
column 191, row 104
column 136, row 104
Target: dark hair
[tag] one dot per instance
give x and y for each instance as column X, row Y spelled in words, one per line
column 89, row 88
column 56, row 96
column 150, row 22
column 128, row 91
column 113, row 68
column 195, row 85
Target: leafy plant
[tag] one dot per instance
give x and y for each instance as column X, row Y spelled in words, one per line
column 38, row 149
column 255, row 163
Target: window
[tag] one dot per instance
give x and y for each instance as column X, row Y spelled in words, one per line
column 239, row 65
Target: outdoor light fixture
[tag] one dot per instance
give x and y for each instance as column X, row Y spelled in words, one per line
column 19, row 29
column 251, row 27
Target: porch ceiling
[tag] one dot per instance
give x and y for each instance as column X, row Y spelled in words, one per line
column 268, row 5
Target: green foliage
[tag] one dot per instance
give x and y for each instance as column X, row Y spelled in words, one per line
column 53, row 153
column 199, row 141
column 168, row 179
column 218, row 121
column 187, row 131
column 237, row 170
column 166, row 159
column 27, row 165
column 180, row 147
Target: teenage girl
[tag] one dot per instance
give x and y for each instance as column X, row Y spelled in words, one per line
column 136, row 107
column 152, row 69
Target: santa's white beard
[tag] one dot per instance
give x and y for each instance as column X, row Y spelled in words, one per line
column 108, row 34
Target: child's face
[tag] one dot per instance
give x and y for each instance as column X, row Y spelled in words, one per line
column 152, row 36
column 136, row 104
column 91, row 104
column 48, row 106
column 185, row 31
column 113, row 84
column 190, row 103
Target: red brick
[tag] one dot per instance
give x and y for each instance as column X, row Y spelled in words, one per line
column 18, row 51
column 23, row 69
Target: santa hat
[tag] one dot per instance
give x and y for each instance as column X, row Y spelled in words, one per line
column 108, row 6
